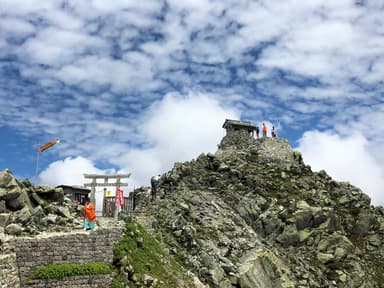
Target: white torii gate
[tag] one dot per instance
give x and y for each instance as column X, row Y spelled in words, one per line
column 94, row 183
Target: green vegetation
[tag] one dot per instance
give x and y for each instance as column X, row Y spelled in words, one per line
column 117, row 283
column 146, row 256
column 60, row 271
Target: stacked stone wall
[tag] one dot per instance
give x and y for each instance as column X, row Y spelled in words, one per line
column 95, row 281
column 9, row 276
column 275, row 150
column 77, row 248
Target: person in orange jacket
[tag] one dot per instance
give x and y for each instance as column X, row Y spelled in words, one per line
column 89, row 215
column 264, row 130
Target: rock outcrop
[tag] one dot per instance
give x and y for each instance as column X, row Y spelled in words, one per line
column 254, row 215
column 26, row 209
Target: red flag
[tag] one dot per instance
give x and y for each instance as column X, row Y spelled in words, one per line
column 122, row 198
column 119, row 198
column 48, row 145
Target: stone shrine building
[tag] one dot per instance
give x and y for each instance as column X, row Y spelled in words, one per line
column 236, row 125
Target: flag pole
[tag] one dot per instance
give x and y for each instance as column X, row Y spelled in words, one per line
column 37, row 162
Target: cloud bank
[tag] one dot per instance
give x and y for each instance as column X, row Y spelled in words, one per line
column 345, row 159
column 175, row 129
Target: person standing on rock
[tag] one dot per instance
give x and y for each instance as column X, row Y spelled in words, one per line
column 89, row 215
column 265, row 128
column 273, row 133
column 257, row 131
column 154, row 183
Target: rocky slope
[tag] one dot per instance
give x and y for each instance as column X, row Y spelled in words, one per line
column 254, row 215
column 28, row 210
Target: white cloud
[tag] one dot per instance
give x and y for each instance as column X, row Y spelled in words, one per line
column 177, row 128
column 14, row 27
column 345, row 159
column 68, row 172
column 56, row 47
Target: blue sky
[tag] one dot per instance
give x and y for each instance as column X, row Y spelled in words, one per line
column 134, row 86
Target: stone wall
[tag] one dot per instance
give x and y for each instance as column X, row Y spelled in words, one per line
column 96, row 281
column 9, row 276
column 275, row 150
column 57, row 248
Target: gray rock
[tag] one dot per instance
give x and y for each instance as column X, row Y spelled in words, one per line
column 2, row 238
column 6, row 181
column 50, row 219
column 261, row 269
column 37, row 214
column 14, row 229
column 51, row 194
column 289, row 237
column 304, row 219
column 363, row 224
column 3, row 208
column 20, row 201
column 64, row 211
column 324, row 257
column 4, row 219
column 37, row 199
column 24, row 215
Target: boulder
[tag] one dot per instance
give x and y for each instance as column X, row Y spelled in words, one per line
column 262, row 269
column 37, row 199
column 14, row 229
column 363, row 224
column 64, row 211
column 51, row 194
column 324, row 257
column 7, row 181
column 4, row 219
column 304, row 219
column 23, row 216
column 18, row 201
column 3, row 208
column 289, row 237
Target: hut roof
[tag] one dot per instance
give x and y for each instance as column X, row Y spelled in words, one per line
column 246, row 125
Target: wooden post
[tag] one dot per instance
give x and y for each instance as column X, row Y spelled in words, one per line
column 117, row 208
column 93, row 191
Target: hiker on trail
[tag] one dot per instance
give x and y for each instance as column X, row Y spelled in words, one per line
column 264, row 130
column 154, row 183
column 273, row 133
column 89, row 215
column 257, row 131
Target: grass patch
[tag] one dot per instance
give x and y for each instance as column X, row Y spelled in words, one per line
column 147, row 257
column 61, row 271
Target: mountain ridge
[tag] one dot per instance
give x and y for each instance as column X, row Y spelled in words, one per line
column 255, row 215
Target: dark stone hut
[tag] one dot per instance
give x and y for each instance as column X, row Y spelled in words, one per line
column 236, row 125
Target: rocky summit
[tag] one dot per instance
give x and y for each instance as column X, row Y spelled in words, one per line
column 253, row 214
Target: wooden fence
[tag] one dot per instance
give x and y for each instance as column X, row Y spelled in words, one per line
column 109, row 205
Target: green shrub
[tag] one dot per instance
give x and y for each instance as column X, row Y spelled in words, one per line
column 60, row 271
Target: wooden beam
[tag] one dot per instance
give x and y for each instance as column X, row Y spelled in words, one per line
column 105, row 184
column 99, row 176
